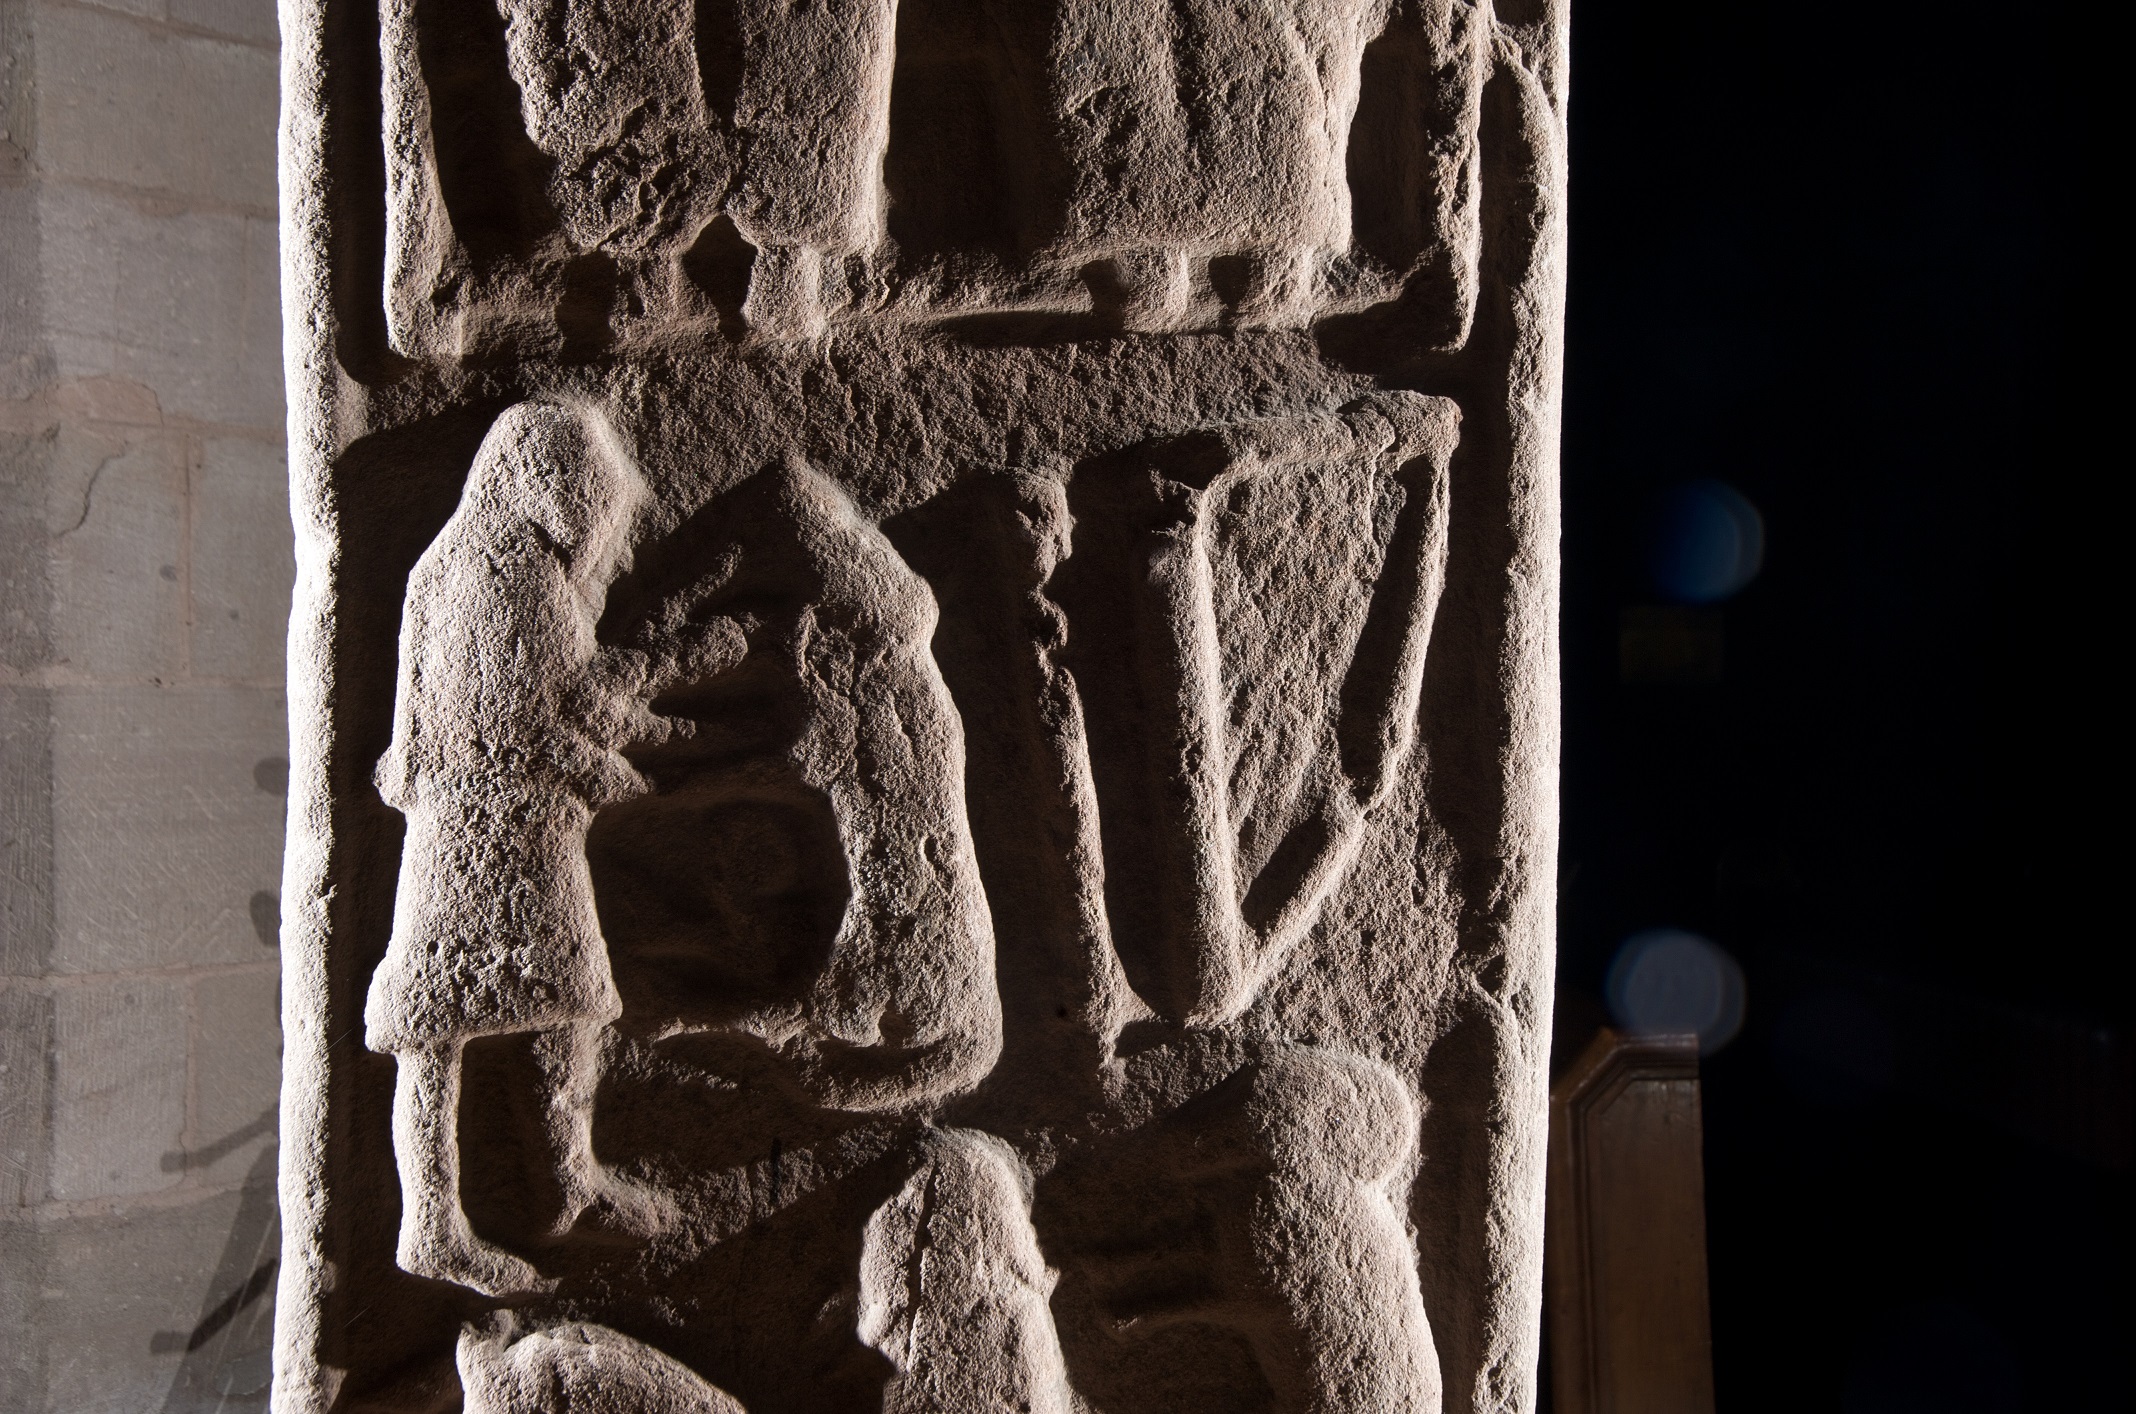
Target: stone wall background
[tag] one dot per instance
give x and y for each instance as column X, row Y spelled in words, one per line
column 144, row 591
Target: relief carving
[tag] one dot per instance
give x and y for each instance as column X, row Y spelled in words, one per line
column 565, row 175
column 1199, row 129
column 498, row 762
column 811, row 626
column 578, row 1369
column 923, row 677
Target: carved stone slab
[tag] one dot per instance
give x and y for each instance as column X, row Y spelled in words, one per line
column 924, row 704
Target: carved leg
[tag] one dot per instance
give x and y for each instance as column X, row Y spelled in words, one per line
column 786, row 293
column 570, row 1066
column 1153, row 289
column 436, row 1239
column 1279, row 290
column 953, row 1288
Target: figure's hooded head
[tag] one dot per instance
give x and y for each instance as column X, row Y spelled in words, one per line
column 560, row 470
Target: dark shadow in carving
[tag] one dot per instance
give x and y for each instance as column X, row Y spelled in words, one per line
column 1450, row 1235
column 492, row 175
column 1230, row 276
column 356, row 207
column 766, row 1310
column 1022, row 330
column 1521, row 12
column 1287, row 871
column 719, row 894
column 718, row 40
column 1388, row 158
column 1404, row 342
column 508, row 1189
column 718, row 263
column 588, row 302
column 962, row 174
column 656, row 1115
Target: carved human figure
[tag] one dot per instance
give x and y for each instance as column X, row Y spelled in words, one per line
column 812, row 116
column 954, row 1290
column 501, row 751
column 800, row 92
column 1196, row 128
column 607, row 88
column 588, row 144
column 1268, row 1210
column 902, row 1012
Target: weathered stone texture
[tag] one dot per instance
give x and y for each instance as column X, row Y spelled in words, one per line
column 177, row 305
column 924, row 734
column 144, row 579
column 118, row 1086
column 164, row 830
column 242, row 564
column 98, row 73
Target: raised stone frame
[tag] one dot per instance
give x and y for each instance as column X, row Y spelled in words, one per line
column 924, row 703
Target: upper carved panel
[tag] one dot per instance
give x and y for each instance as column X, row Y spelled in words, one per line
column 567, row 176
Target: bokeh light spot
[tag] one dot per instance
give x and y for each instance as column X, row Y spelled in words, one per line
column 1665, row 981
column 1705, row 542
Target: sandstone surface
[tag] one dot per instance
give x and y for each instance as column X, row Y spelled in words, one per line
column 924, row 704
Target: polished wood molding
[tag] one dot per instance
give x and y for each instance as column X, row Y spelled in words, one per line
column 1625, row 1252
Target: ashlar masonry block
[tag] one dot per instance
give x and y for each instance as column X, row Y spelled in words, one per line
column 178, row 301
column 167, row 820
column 118, row 1085
column 115, row 514
column 239, row 568
column 235, row 1045
column 249, row 20
column 136, row 105
column 923, row 704
column 147, row 1280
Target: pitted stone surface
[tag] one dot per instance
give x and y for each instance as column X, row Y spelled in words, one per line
column 924, row 750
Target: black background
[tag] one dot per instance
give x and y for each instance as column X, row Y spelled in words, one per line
column 1852, row 259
